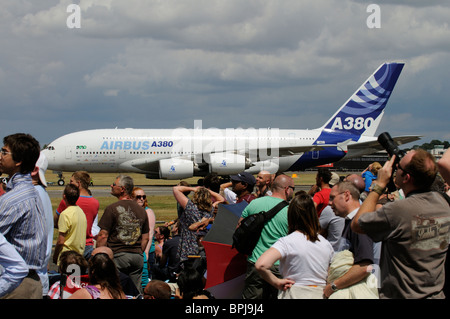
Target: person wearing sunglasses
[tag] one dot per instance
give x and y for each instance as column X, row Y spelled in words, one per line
column 414, row 231
column 124, row 227
column 149, row 254
column 22, row 218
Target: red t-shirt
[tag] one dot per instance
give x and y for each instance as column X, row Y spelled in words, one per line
column 248, row 198
column 321, row 198
column 90, row 207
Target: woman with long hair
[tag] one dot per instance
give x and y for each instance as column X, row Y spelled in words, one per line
column 201, row 206
column 304, row 255
column 140, row 197
column 104, row 282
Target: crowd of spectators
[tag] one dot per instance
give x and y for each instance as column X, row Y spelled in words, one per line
column 348, row 237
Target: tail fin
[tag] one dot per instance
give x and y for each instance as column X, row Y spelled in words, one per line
column 362, row 113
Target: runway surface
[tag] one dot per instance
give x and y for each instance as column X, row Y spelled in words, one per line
column 105, row 191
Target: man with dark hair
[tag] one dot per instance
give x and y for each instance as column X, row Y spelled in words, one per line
column 414, row 231
column 22, row 219
column 321, row 190
column 71, row 194
column 71, row 225
column 242, row 185
column 125, row 229
column 24, row 150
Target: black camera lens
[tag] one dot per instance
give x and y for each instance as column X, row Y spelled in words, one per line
column 391, row 148
column 389, row 145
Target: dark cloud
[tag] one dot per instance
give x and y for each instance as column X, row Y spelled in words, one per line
column 160, row 64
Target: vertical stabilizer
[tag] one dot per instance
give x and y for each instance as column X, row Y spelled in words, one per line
column 362, row 113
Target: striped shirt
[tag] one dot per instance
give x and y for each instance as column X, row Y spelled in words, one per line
column 22, row 220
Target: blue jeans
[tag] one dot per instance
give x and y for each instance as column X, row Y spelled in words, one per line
column 88, row 249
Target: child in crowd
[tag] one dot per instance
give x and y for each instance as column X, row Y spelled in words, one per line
column 72, row 225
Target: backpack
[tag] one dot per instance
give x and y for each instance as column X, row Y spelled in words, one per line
column 246, row 236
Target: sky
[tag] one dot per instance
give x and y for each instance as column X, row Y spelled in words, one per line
column 287, row 64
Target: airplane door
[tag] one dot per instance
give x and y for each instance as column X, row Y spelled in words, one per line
column 68, row 152
column 315, row 154
column 122, row 154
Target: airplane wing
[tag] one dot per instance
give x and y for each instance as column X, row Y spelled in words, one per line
column 152, row 165
column 364, row 148
column 400, row 140
column 144, row 164
column 285, row 151
column 292, row 150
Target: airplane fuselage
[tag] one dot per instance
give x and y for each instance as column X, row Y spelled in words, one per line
column 139, row 150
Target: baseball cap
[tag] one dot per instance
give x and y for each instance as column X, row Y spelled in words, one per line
column 244, row 177
column 42, row 164
column 334, row 179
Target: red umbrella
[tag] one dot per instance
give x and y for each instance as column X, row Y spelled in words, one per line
column 226, row 267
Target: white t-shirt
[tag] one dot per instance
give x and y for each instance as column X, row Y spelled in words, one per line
column 230, row 196
column 303, row 261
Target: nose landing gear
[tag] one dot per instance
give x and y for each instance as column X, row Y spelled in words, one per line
column 61, row 181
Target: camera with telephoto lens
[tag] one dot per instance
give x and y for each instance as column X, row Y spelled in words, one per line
column 391, row 148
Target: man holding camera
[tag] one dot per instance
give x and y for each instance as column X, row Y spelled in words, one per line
column 414, row 231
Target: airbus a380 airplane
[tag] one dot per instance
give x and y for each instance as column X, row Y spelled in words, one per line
column 182, row 153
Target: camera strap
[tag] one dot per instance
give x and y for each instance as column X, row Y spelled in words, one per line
column 447, row 198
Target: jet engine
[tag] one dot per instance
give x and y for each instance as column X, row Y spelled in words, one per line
column 228, row 163
column 175, row 168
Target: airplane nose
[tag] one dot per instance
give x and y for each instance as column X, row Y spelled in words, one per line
column 46, row 153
